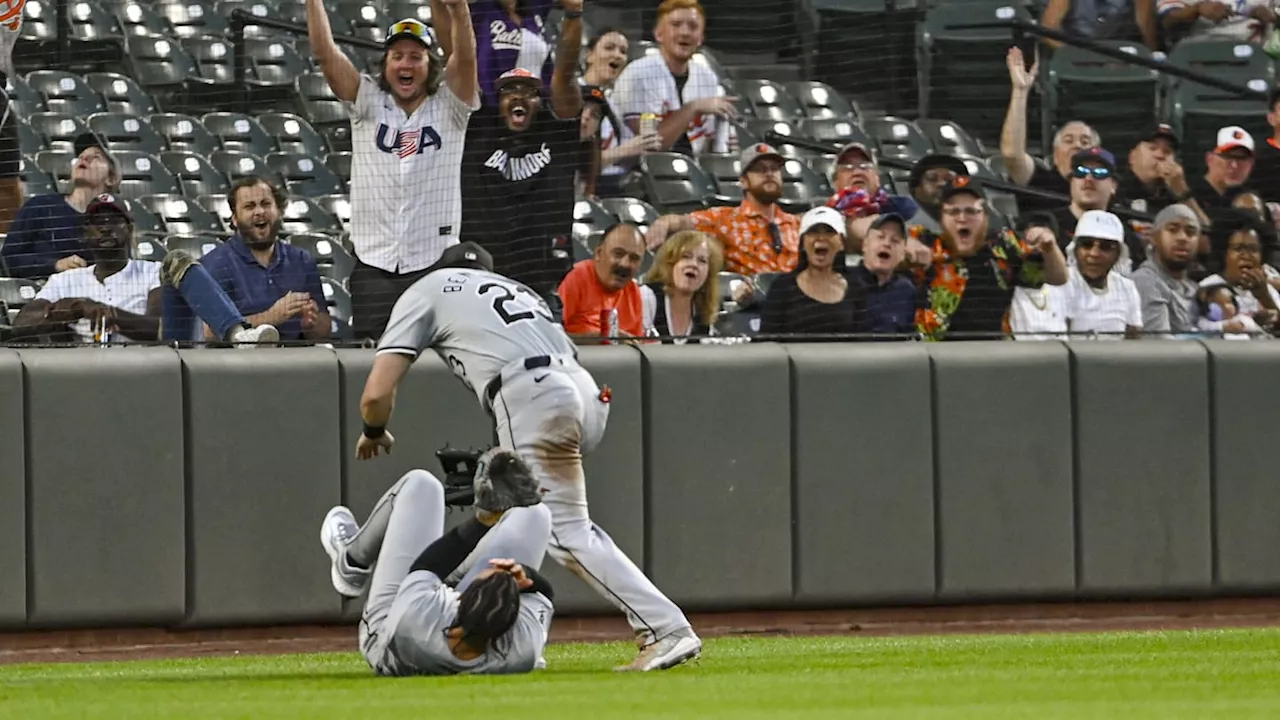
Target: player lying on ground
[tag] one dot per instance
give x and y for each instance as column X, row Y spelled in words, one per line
column 503, row 343
column 495, row 621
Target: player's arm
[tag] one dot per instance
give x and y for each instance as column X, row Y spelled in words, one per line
column 566, row 96
column 339, row 72
column 444, row 555
column 460, row 70
column 410, row 330
column 540, row 583
column 379, row 398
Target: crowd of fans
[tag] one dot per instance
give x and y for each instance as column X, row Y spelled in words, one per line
column 488, row 125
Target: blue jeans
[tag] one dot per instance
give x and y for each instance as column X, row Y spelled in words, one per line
column 198, row 297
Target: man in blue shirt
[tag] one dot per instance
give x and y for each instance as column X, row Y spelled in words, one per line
column 46, row 237
column 268, row 282
column 891, row 298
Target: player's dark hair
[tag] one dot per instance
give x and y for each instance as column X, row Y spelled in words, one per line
column 249, row 181
column 487, row 609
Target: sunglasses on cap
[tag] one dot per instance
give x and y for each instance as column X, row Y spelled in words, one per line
column 1084, row 171
column 1091, row 243
column 415, row 28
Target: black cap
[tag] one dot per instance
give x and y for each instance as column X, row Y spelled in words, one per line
column 1094, row 154
column 465, row 254
column 932, row 162
column 962, row 184
column 108, row 203
column 1163, row 130
column 888, row 218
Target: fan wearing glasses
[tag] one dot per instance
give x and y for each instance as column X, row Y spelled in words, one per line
column 1093, row 185
column 408, row 127
column 857, row 169
column 970, row 283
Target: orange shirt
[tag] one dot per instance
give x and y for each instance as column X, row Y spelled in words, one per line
column 744, row 233
column 584, row 298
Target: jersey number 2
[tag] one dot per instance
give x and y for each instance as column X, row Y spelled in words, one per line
column 512, row 298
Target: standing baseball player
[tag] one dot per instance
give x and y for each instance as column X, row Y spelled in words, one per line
column 496, row 620
column 408, row 130
column 501, row 340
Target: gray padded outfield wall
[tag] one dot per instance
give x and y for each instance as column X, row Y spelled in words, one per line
column 758, row 476
column 13, row 493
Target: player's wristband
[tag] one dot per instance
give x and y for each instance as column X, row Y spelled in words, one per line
column 373, row 432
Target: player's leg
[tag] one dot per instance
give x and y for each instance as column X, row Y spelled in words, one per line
column 407, row 519
column 191, row 295
column 551, row 424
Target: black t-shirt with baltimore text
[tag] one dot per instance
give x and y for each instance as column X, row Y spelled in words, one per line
column 1265, row 177
column 1141, row 197
column 518, row 194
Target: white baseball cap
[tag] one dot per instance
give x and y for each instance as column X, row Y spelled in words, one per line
column 1100, row 225
column 1232, row 137
column 822, row 216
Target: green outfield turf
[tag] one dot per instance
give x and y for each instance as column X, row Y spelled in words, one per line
column 1219, row 674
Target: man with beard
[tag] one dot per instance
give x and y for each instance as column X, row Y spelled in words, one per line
column 45, row 237
column 1168, row 295
column 758, row 235
column 521, row 154
column 604, row 283
column 272, row 286
column 971, row 281
column 1098, row 298
column 929, row 176
column 115, row 294
column 408, row 128
column 1093, row 185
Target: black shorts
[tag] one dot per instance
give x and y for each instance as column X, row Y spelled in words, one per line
column 10, row 149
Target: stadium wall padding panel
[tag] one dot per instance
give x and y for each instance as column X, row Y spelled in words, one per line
column 264, row 467
column 718, row 474
column 862, row 462
column 1247, row 488
column 615, row 476
column 1002, row 424
column 13, row 493
column 1142, row 464
column 107, row 539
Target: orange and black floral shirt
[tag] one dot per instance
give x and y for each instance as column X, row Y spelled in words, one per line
column 750, row 247
column 972, row 295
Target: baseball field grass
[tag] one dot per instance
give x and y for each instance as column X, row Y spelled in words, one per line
column 1191, row 674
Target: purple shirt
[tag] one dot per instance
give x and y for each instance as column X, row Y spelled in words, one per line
column 498, row 41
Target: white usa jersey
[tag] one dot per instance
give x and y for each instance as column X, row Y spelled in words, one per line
column 406, row 187
column 478, row 322
column 647, row 86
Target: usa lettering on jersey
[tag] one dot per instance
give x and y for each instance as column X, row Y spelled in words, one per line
column 407, row 143
column 521, row 168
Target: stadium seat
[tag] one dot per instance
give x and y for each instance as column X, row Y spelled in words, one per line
column 327, row 252
column 185, row 132
column 256, row 8
column 367, row 20
column 58, row 130
column 727, row 171
column 144, row 174
column 36, row 181
column 120, row 131
column 675, row 183
column 898, row 138
column 820, row 101
column 802, row 188
column 121, row 93
column 22, row 98
column 1198, row 112
column 1225, row 59
column 235, row 165
column 66, row 93
column 400, row 9
column 272, row 63
column 145, row 222
column 765, row 280
column 197, row 244
column 337, row 205
column 29, row 141
column 771, row 100
column 38, row 22
column 304, row 215
column 591, row 215
column 183, row 215
column 340, row 164
column 195, row 173
column 1118, row 99
column 217, row 204
column 16, row 292
column 241, row 132
column 148, row 248
column 324, row 111
column 214, row 57
column 632, row 210
column 95, row 33
column 738, row 323
column 159, row 63
column 838, row 132
column 948, row 137
column 138, row 18
column 57, row 164
column 304, row 175
column 337, row 298
column 193, row 18
column 293, row 134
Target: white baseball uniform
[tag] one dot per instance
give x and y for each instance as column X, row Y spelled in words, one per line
column 502, row 341
column 647, row 86
column 406, row 186
column 402, row 631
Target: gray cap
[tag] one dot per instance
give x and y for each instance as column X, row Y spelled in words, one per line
column 1177, row 212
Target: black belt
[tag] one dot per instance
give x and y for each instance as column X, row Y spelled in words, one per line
column 530, row 363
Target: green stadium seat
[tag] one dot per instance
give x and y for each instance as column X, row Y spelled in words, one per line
column 1116, row 98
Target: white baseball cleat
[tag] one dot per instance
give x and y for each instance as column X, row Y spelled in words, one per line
column 244, row 338
column 670, row 651
column 338, row 529
column 541, row 664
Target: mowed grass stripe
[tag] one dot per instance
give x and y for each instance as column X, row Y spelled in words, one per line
column 1192, row 674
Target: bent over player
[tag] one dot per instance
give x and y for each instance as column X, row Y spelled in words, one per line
column 495, row 622
column 500, row 339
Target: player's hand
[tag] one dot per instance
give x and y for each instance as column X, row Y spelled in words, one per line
column 1019, row 76
column 367, row 447
column 1215, row 11
column 67, row 263
column 516, row 570
column 1042, row 239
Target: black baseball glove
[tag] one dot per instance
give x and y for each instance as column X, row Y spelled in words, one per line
column 504, row 481
column 459, row 475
